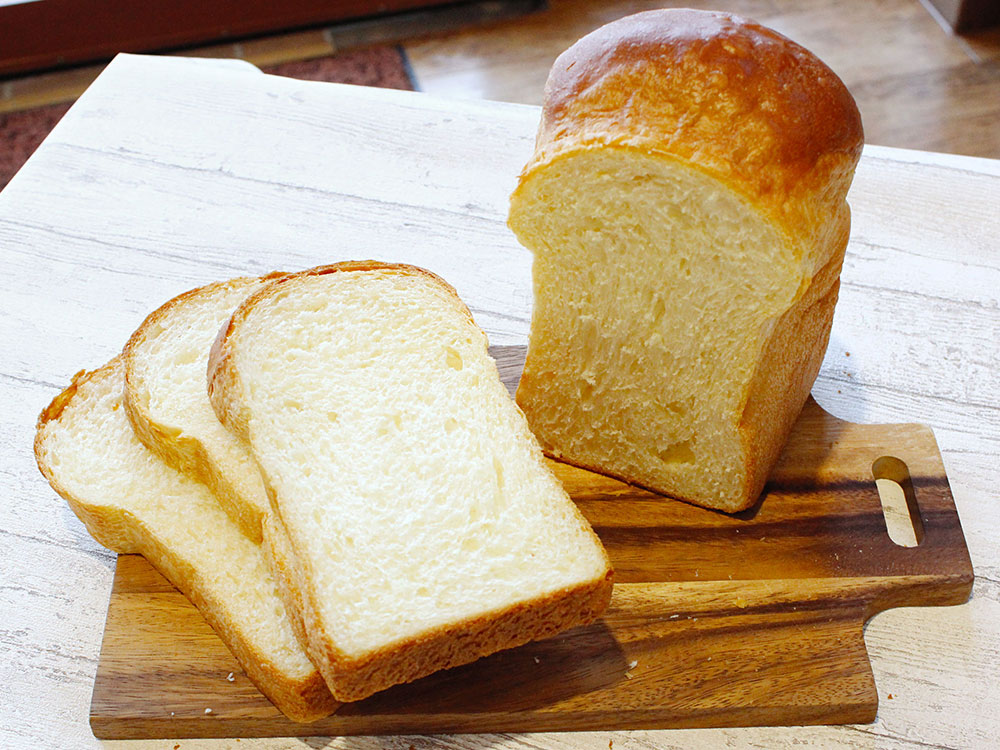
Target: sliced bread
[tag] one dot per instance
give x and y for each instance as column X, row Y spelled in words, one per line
column 132, row 502
column 415, row 523
column 685, row 205
column 167, row 404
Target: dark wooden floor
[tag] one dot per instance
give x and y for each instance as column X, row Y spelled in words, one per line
column 918, row 85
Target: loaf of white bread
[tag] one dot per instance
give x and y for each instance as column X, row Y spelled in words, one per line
column 414, row 525
column 685, row 205
column 131, row 502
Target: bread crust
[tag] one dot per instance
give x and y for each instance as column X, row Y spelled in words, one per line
column 184, row 452
column 115, row 527
column 728, row 96
column 351, row 679
column 765, row 118
column 784, row 376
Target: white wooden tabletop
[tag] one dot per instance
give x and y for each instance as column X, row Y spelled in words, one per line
column 169, row 173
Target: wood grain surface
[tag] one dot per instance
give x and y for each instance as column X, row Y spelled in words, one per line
column 917, row 85
column 168, row 174
column 716, row 620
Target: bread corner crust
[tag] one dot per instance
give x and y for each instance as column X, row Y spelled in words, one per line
column 784, row 376
column 743, row 102
column 54, row 410
column 303, row 700
column 353, row 679
column 473, row 639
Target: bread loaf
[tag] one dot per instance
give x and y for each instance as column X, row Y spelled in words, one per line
column 132, row 502
column 414, row 524
column 685, row 205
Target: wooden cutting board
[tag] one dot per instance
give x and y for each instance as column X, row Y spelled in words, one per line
column 716, row 620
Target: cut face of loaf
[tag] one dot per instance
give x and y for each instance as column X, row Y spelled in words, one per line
column 656, row 292
column 419, row 527
column 132, row 502
column 167, row 403
column 687, row 245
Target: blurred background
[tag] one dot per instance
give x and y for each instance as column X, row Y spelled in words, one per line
column 925, row 73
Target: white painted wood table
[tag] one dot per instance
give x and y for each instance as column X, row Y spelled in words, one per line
column 169, row 173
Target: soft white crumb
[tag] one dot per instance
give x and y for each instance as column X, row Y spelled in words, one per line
column 208, row 710
column 231, row 678
column 633, row 664
column 171, row 713
column 673, row 617
column 536, row 660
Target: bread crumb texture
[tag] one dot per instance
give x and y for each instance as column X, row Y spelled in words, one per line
column 166, row 361
column 412, row 493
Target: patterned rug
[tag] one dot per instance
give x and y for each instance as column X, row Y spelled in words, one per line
column 386, row 67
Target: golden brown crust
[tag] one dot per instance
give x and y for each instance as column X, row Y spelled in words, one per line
column 351, row 679
column 118, row 529
column 222, row 381
column 785, row 374
column 464, row 642
column 727, row 95
column 303, row 700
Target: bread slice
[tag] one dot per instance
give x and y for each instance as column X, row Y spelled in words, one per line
column 416, row 524
column 132, row 502
column 685, row 205
column 167, row 404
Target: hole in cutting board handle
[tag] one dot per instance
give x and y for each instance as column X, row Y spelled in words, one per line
column 899, row 503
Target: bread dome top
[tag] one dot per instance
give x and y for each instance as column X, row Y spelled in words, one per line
column 737, row 99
